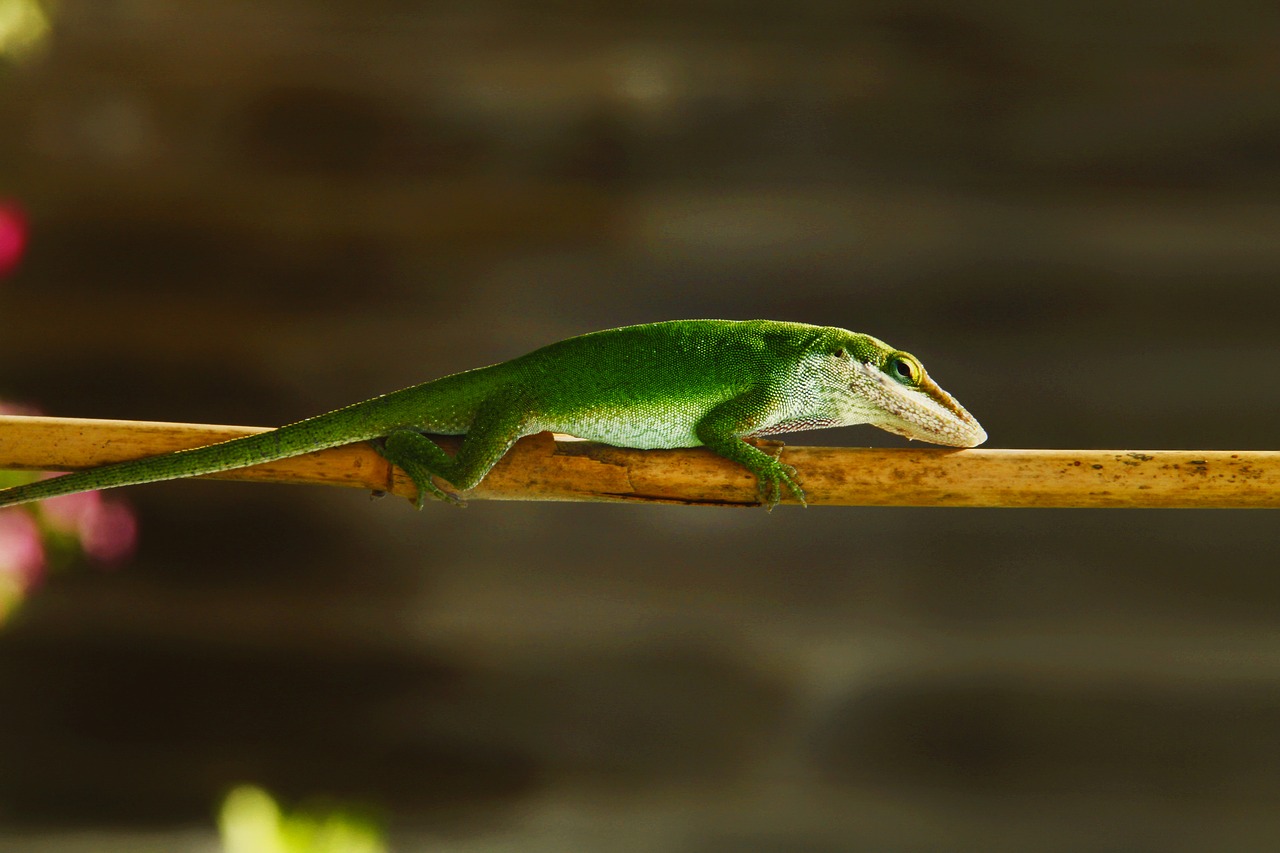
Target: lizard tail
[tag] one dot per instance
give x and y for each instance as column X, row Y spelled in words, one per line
column 319, row 433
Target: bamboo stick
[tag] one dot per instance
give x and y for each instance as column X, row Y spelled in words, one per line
column 541, row 467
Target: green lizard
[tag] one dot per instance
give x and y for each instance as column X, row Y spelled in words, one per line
column 682, row 383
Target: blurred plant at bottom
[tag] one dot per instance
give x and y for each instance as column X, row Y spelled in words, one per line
column 50, row 535
column 251, row 822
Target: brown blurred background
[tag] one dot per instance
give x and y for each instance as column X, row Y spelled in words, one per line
column 252, row 212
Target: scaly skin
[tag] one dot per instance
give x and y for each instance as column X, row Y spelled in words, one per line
column 682, row 383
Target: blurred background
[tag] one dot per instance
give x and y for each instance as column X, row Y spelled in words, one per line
column 248, row 213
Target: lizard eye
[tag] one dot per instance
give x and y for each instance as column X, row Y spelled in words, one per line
column 905, row 369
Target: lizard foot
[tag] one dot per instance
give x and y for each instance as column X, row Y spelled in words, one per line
column 772, row 480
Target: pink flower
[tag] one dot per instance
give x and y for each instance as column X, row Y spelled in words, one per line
column 67, row 513
column 17, row 409
column 109, row 535
column 13, row 236
column 21, row 550
column 107, row 530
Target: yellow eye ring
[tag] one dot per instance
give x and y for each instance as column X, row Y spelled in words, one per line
column 905, row 368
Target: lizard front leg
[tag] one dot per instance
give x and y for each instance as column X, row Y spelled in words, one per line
column 722, row 430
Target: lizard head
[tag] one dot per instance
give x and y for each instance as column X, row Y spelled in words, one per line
column 888, row 388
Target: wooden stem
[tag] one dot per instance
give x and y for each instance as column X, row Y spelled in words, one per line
column 543, row 467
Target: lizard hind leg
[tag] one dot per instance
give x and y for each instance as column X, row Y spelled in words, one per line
column 421, row 459
column 496, row 426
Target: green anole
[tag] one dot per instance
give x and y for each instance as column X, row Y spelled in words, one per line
column 682, row 383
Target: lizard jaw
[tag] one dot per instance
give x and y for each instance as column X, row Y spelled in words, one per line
column 925, row 412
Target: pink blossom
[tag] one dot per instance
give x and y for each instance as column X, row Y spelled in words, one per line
column 13, row 236
column 17, row 409
column 108, row 535
column 107, row 530
column 67, row 513
column 22, row 556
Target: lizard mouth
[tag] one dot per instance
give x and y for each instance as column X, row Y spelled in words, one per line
column 925, row 412
column 970, row 437
column 962, row 425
